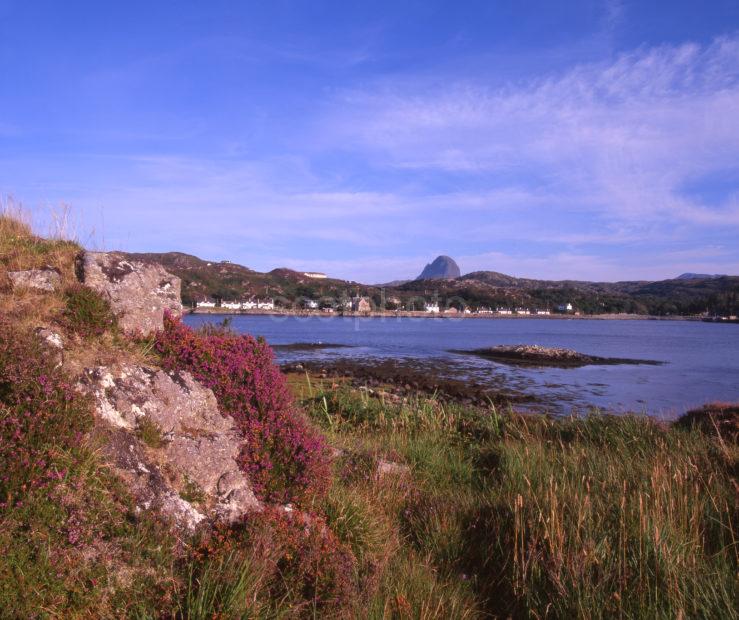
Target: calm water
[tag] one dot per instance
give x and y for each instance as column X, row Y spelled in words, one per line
column 702, row 359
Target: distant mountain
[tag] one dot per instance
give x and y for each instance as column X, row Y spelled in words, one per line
column 699, row 276
column 443, row 268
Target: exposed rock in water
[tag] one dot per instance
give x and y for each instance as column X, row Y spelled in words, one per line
column 169, row 441
column 535, row 355
column 443, row 267
column 46, row 280
column 139, row 293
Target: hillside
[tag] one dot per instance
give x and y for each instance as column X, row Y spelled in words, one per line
column 202, row 280
column 224, row 280
column 676, row 296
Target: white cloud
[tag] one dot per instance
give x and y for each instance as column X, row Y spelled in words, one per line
column 618, row 138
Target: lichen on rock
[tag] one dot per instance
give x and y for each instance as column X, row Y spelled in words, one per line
column 198, row 445
column 139, row 293
column 46, row 280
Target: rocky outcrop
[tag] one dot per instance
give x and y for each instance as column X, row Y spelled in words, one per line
column 169, row 441
column 46, row 280
column 139, row 293
column 443, row 267
column 535, row 355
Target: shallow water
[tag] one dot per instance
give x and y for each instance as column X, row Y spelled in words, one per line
column 702, row 359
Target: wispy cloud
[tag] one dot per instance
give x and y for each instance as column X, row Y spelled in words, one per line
column 619, row 138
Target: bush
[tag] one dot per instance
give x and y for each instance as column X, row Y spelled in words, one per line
column 86, row 313
column 285, row 458
column 40, row 415
column 297, row 565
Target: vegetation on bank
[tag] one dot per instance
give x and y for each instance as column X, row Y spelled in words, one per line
column 426, row 510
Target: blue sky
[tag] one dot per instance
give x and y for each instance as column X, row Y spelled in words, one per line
column 593, row 140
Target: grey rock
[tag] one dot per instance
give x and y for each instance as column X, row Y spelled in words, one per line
column 54, row 342
column 50, row 337
column 46, row 280
column 198, row 445
column 139, row 293
column 389, row 468
column 443, row 267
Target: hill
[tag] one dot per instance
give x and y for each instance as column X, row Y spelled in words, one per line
column 443, row 267
column 224, row 280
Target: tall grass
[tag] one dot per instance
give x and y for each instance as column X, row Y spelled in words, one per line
column 590, row 517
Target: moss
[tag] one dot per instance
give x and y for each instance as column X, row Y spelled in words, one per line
column 86, row 312
column 191, row 491
column 149, row 432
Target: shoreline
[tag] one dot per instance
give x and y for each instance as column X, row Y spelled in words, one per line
column 425, row 315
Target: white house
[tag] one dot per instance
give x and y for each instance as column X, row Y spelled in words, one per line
column 543, row 312
column 205, row 304
column 311, row 304
column 565, row 307
column 231, row 305
column 315, row 274
column 432, row 308
column 504, row 311
column 267, row 304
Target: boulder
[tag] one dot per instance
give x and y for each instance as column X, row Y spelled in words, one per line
column 54, row 344
column 139, row 293
column 171, row 443
column 46, row 280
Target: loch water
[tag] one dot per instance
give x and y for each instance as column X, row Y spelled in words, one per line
column 700, row 360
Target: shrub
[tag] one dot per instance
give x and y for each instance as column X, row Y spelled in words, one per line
column 286, row 459
column 309, row 566
column 86, row 313
column 40, row 415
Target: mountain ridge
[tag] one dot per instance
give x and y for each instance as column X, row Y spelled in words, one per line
column 202, row 280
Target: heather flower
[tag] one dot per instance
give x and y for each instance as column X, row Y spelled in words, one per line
column 285, row 458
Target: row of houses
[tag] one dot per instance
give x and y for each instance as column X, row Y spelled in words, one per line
column 251, row 304
column 364, row 304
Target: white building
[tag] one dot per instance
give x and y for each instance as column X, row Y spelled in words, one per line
column 432, row 308
column 315, row 274
column 231, row 305
column 205, row 304
column 311, row 304
column 267, row 304
column 543, row 312
column 565, row 307
column 504, row 311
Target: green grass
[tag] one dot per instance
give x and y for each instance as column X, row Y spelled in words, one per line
column 149, row 432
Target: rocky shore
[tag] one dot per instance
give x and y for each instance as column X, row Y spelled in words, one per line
column 406, row 379
column 535, row 355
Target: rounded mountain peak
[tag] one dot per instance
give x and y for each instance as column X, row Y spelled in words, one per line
column 443, row 267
